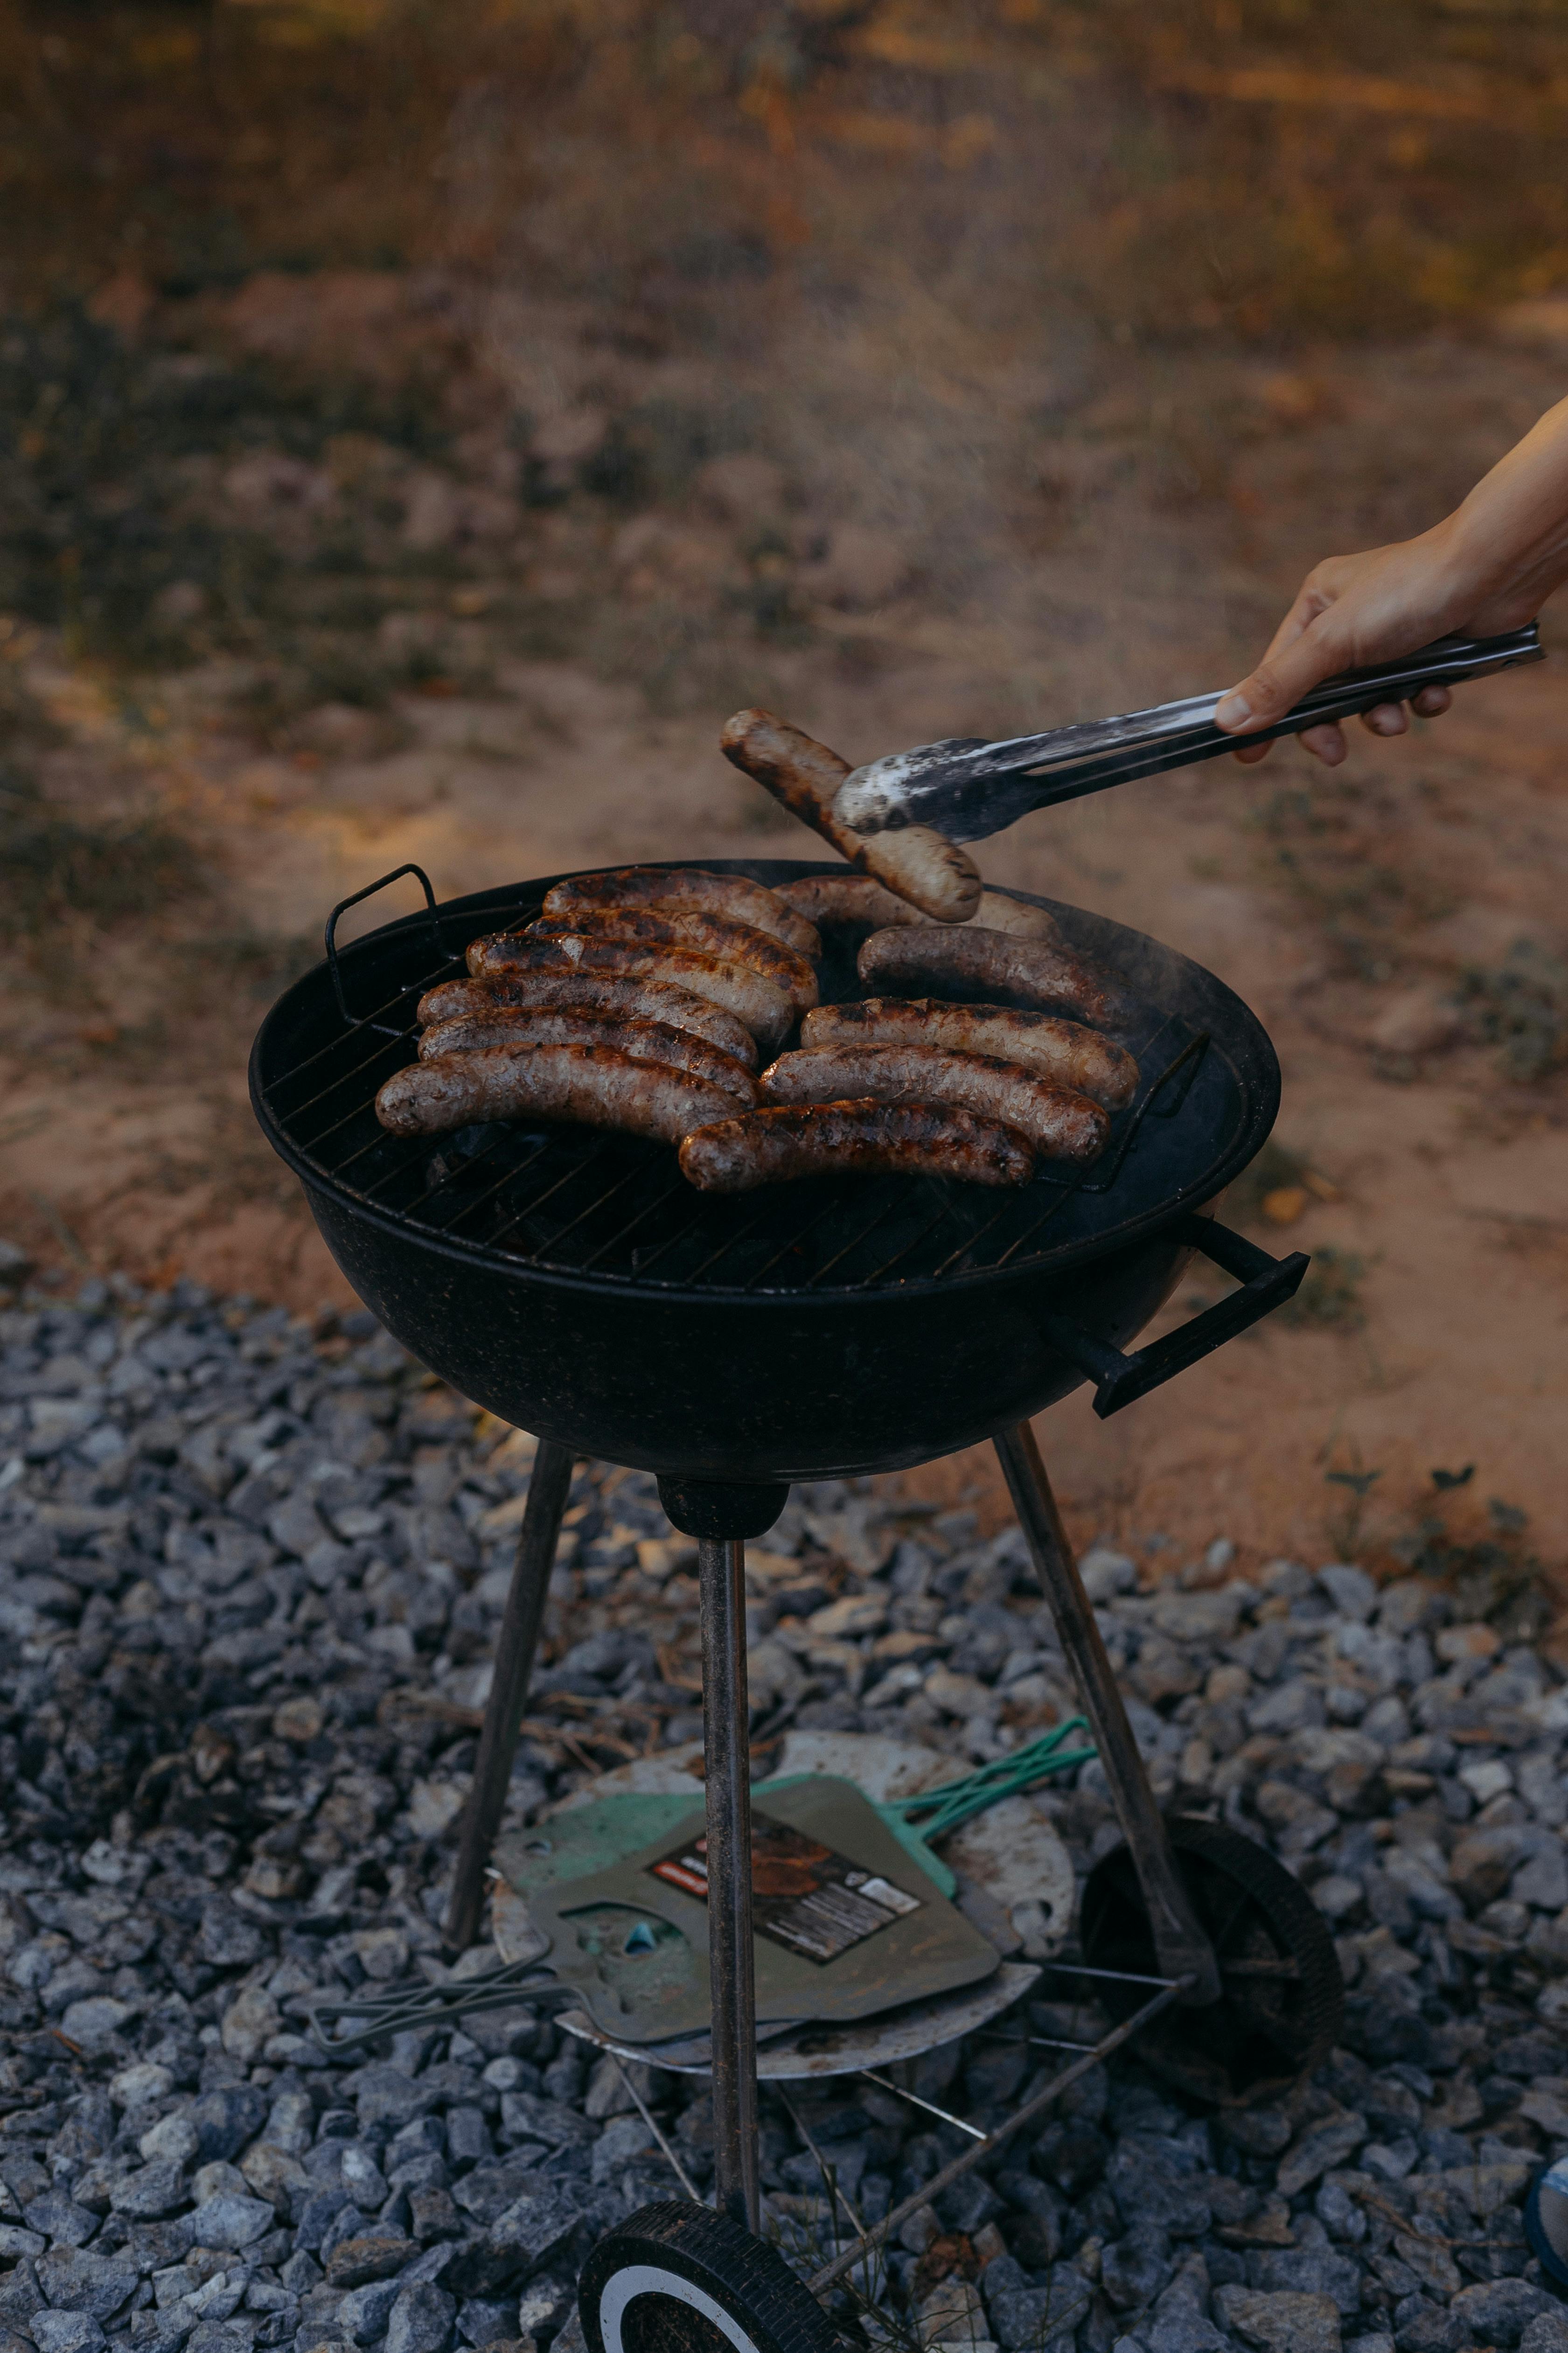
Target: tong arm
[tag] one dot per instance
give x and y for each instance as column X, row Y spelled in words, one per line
column 966, row 789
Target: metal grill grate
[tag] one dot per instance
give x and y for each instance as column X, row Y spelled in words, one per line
column 616, row 1209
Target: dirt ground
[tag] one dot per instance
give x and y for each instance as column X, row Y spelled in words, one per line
column 809, row 470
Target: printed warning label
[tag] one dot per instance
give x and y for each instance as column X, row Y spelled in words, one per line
column 803, row 1896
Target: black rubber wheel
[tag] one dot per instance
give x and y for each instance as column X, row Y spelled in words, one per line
column 1284, row 1996
column 677, row 2278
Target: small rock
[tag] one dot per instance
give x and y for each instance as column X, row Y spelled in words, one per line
column 387, row 2095
column 143, row 2081
column 227, row 2118
column 363, row 2312
column 1133, row 2269
column 151, row 2192
column 1498, row 2312
column 1307, row 2271
column 230, row 2221
column 368, row 2255
column 75, row 2280
column 218, row 2178
column 845, row 1621
column 1350, row 1589
column 249, row 2024
column 1106, row 1574
column 94, row 2022
column 1318, row 2151
column 1284, row 2322
column 1542, row 1881
column 1482, row 1863
column 1416, row 1022
column 518, row 2243
column 229, row 1939
column 421, row 2320
column 1547, row 2332
column 273, row 2173
column 381, row 1953
column 298, row 1720
column 433, row 1806
column 1456, row 1644
column 1294, row 1707
column 67, row 2332
column 174, row 2138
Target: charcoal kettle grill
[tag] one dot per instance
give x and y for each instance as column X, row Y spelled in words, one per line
column 575, row 1284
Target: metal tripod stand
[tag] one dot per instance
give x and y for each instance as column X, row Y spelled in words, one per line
column 722, row 1518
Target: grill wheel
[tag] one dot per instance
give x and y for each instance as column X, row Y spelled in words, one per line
column 1283, row 2002
column 679, row 2278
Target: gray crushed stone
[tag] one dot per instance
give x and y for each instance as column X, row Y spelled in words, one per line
column 251, row 1572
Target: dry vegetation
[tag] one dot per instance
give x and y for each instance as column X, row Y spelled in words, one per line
column 420, row 423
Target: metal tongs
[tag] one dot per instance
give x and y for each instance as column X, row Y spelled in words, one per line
column 967, row 788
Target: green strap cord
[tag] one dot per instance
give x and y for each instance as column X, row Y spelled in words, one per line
column 948, row 1804
column 953, row 1802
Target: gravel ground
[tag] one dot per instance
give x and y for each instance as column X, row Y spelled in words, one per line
column 250, row 1574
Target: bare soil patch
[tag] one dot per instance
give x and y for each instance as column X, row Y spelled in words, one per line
column 831, row 385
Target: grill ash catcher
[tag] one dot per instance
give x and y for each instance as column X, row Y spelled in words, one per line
column 575, row 1286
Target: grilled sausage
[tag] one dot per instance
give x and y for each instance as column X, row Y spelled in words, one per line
column 916, row 863
column 765, row 1010
column 862, row 1139
column 1060, row 1125
column 929, row 961
column 645, row 1041
column 665, row 925
column 633, row 1000
column 855, row 899
column 592, row 1086
column 999, row 912
column 847, row 897
column 1064, row 1052
column 689, row 886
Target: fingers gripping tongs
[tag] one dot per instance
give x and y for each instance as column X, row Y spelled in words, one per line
column 967, row 788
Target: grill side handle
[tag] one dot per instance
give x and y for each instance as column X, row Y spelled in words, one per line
column 363, row 1021
column 1265, row 1284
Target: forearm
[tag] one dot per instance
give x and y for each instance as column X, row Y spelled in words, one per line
column 1487, row 567
column 1507, row 543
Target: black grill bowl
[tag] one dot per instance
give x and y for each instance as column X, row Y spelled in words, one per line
column 575, row 1286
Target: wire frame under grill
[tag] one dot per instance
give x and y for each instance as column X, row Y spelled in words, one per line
column 616, row 1208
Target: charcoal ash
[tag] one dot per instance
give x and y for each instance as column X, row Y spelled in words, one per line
column 251, row 1574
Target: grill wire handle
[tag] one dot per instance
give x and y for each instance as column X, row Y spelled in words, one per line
column 1265, row 1284
column 363, row 1021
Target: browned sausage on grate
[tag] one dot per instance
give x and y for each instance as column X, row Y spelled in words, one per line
column 861, row 1138
column 855, row 899
column 936, row 960
column 633, row 1000
column 1066, row 1051
column 765, row 1010
column 590, row 1086
column 1060, row 1125
column 690, row 927
column 645, row 1041
column 691, row 886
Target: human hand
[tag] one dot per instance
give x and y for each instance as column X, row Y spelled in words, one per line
column 1350, row 611
column 1486, row 568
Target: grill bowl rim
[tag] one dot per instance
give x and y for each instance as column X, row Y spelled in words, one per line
column 1259, row 1084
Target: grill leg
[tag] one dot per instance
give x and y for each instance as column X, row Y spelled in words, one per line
column 547, row 1491
column 1183, row 1949
column 727, row 1744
